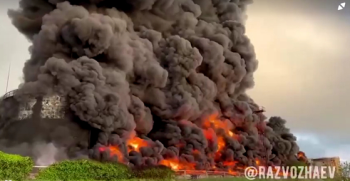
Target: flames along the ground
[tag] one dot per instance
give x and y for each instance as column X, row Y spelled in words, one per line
column 212, row 122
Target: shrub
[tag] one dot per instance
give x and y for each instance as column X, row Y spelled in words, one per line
column 344, row 171
column 14, row 167
column 84, row 170
column 156, row 172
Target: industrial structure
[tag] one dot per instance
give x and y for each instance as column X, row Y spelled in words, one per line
column 330, row 161
column 327, row 161
column 40, row 119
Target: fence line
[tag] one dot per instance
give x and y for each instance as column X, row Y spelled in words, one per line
column 207, row 173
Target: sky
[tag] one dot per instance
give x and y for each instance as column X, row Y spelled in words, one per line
column 302, row 48
column 303, row 52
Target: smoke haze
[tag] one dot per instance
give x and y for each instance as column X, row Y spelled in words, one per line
column 43, row 153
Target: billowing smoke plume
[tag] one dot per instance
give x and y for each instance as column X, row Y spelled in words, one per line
column 161, row 80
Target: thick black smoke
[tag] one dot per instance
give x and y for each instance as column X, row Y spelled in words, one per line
column 156, row 67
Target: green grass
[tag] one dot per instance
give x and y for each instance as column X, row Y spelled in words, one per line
column 118, row 180
column 84, row 170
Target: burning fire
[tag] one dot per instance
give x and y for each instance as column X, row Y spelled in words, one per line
column 211, row 127
column 302, row 157
column 301, row 154
column 213, row 121
column 114, row 151
column 221, row 143
column 136, row 143
column 257, row 162
column 230, row 163
column 176, row 164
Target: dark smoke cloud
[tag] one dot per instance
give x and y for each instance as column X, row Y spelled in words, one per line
column 157, row 67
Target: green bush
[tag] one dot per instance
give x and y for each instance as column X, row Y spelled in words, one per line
column 84, row 170
column 14, row 167
column 157, row 172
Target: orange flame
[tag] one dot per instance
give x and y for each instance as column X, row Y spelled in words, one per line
column 176, row 164
column 217, row 123
column 211, row 126
column 233, row 172
column 221, row 143
column 257, row 162
column 230, row 163
column 213, row 120
column 136, row 143
column 209, row 134
column 301, row 154
column 114, row 151
column 196, row 152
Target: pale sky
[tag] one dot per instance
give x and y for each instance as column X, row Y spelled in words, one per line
column 303, row 52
